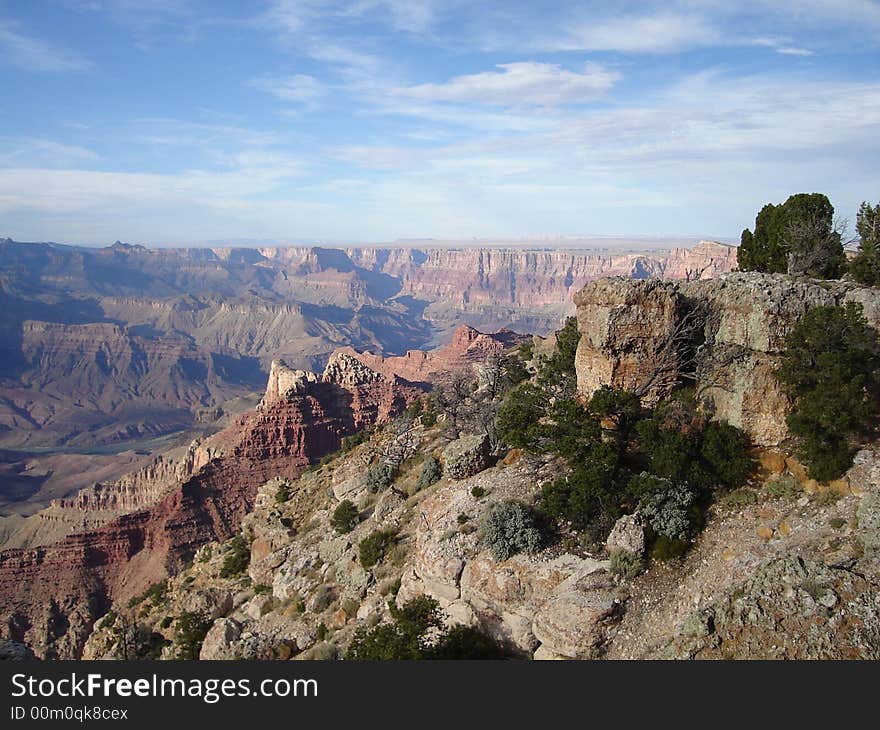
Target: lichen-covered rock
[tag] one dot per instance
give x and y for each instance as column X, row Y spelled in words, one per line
column 628, row 534
column 793, row 608
column 466, row 456
column 738, row 325
column 574, row 623
column 623, row 324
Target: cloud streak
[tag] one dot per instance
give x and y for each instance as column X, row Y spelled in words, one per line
column 35, row 55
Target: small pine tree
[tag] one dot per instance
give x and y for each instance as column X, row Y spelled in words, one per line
column 830, row 369
column 865, row 266
column 345, row 517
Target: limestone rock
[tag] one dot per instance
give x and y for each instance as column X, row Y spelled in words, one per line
column 466, row 456
column 574, row 623
column 740, row 324
column 628, row 534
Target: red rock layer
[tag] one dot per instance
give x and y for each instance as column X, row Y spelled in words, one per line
column 50, row 596
column 467, row 346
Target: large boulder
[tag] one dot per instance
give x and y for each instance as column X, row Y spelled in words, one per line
column 628, row 535
column 466, row 456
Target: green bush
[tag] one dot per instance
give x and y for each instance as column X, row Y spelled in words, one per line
column 345, row 517
column 238, row 557
column 587, row 492
column 830, row 369
column 374, row 546
column 626, row 564
column 708, row 457
column 784, row 487
column 283, row 493
column 510, row 529
column 189, row 634
column 380, row 477
column 429, row 414
column 155, row 594
column 417, row 632
column 865, row 266
column 432, row 470
column 519, row 417
column 669, row 512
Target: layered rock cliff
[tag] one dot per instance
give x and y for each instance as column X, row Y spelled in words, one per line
column 51, row 595
column 725, row 336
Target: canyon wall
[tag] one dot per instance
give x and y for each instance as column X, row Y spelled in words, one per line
column 51, row 595
column 725, row 335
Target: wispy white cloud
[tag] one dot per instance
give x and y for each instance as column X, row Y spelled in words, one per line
column 33, row 54
column 661, row 32
column 519, row 84
column 298, row 88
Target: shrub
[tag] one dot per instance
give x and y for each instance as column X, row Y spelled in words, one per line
column 830, row 368
column 283, row 493
column 238, row 557
column 345, row 517
column 669, row 512
column 356, row 439
column 417, row 632
column 865, row 266
column 626, row 564
column 374, row 546
column 510, row 529
column 380, row 477
column 519, row 417
column 620, row 406
column 477, row 492
column 189, row 634
column 797, row 237
column 432, row 470
column 784, row 487
column 155, row 594
column 706, row 456
column 587, row 492
column 429, row 414
column 725, row 452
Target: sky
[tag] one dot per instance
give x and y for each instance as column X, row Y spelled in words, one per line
column 177, row 121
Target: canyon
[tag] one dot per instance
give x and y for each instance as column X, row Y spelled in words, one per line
column 111, row 541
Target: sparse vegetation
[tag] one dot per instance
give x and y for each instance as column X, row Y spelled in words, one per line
column 345, row 517
column 372, row 548
column 626, row 564
column 190, row 631
column 283, row 493
column 432, row 471
column 238, row 557
column 154, row 595
column 380, row 477
column 510, row 529
column 418, row 632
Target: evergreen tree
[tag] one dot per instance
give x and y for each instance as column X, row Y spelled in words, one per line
column 797, row 237
column 865, row 267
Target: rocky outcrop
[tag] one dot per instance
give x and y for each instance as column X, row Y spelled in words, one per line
column 466, row 456
column 727, row 334
column 467, row 348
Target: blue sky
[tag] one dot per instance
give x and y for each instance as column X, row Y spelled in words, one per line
column 368, row 120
